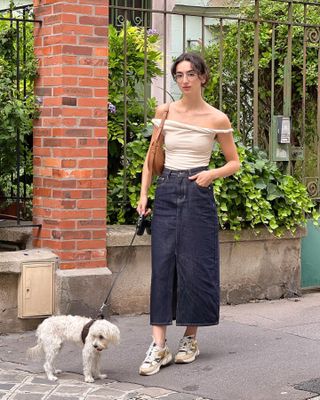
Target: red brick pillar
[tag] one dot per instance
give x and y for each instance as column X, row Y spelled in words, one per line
column 70, row 137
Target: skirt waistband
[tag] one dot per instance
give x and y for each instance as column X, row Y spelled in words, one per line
column 183, row 172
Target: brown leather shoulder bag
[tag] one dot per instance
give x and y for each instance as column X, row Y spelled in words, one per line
column 156, row 151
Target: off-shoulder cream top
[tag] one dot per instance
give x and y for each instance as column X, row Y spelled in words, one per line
column 187, row 146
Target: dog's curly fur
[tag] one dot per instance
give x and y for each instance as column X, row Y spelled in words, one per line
column 56, row 330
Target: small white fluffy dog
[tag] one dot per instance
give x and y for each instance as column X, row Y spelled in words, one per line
column 56, row 330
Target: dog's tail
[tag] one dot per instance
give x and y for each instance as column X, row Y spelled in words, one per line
column 35, row 352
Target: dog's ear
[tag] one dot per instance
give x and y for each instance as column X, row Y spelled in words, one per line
column 114, row 334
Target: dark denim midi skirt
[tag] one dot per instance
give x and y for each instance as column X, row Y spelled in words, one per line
column 185, row 252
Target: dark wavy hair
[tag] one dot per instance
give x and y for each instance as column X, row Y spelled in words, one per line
column 197, row 63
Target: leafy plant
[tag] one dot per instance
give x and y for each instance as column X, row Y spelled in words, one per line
column 128, row 130
column 259, row 194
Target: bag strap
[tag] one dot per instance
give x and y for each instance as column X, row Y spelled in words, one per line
column 160, row 128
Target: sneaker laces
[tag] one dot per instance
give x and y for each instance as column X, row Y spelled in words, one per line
column 151, row 353
column 185, row 343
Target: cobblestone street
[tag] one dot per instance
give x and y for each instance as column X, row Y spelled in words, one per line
column 26, row 386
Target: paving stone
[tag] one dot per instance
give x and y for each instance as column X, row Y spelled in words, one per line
column 71, row 377
column 5, row 377
column 27, row 396
column 107, row 391
column 154, row 391
column 6, row 386
column 137, row 396
column 102, row 382
column 63, row 397
column 72, row 389
column 125, row 386
column 181, row 396
column 102, row 397
column 30, row 388
column 45, row 381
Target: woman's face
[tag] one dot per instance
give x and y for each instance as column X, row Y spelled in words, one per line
column 187, row 78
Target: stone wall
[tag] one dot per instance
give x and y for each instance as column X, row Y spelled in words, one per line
column 254, row 267
column 260, row 266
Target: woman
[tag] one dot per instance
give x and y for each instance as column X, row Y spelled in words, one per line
column 185, row 247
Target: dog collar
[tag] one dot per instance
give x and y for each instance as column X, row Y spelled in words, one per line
column 85, row 330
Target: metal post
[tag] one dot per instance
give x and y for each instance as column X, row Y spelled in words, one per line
column 18, row 132
column 165, row 52
column 145, row 66
column 221, row 64
column 304, row 86
column 318, row 119
column 24, row 51
column 238, row 75
column 256, row 74
column 184, row 33
column 287, row 92
column 288, row 68
column 125, row 109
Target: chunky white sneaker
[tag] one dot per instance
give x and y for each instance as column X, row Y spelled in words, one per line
column 188, row 350
column 156, row 357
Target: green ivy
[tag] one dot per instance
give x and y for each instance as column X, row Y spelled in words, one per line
column 260, row 195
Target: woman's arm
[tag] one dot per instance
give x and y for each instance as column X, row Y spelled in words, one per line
column 230, row 153
column 229, row 150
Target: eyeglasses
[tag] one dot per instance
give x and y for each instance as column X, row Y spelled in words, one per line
column 191, row 75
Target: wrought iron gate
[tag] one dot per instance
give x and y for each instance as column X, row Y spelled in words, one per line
column 17, row 72
column 265, row 67
column 265, row 62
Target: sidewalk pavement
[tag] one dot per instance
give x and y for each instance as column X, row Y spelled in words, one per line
column 267, row 350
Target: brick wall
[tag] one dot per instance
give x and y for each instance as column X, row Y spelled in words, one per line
column 70, row 137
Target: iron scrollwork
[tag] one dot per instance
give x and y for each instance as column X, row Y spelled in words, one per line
column 133, row 11
column 313, row 36
column 135, row 20
column 313, row 187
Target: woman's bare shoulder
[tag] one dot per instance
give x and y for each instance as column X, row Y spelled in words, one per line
column 218, row 119
column 161, row 109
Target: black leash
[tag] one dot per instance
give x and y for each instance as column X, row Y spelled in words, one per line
column 100, row 315
column 143, row 224
column 105, row 303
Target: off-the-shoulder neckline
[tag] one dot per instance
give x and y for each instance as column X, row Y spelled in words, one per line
column 195, row 126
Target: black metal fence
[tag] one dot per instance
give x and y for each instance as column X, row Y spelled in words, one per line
column 17, row 110
column 264, row 58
